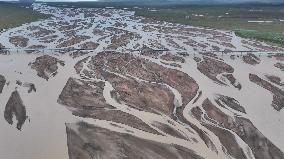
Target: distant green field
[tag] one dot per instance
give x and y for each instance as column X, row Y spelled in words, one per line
column 269, row 37
column 261, row 23
column 15, row 14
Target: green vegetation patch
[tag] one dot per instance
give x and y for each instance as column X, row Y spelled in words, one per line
column 16, row 14
column 274, row 38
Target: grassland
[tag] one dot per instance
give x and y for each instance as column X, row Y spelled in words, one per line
column 15, row 14
column 264, row 23
column 269, row 37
